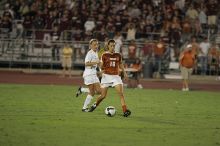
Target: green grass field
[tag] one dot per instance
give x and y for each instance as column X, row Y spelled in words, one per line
column 48, row 115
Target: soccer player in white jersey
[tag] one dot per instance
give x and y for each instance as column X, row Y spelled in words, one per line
column 90, row 74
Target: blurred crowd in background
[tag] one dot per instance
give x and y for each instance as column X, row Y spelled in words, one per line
column 160, row 25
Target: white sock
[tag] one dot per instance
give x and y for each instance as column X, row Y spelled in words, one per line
column 87, row 101
column 85, row 90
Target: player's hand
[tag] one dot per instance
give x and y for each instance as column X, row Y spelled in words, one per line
column 97, row 62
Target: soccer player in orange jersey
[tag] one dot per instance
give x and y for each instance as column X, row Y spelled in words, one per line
column 111, row 62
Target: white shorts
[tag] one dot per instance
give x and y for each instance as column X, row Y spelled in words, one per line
column 110, row 80
column 91, row 79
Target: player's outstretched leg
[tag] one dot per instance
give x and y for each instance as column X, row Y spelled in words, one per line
column 93, row 107
column 119, row 89
column 78, row 91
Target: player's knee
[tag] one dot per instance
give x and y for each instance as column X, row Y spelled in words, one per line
column 98, row 91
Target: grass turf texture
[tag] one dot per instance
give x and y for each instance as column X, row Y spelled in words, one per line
column 34, row 115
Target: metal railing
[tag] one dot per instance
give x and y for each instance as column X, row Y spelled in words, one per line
column 34, row 53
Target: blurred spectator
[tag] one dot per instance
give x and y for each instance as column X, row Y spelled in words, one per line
column 49, row 20
column 203, row 19
column 118, row 23
column 5, row 29
column 27, row 24
column 213, row 58
column 147, row 17
column 192, row 14
column 67, row 54
column 110, row 28
column 124, row 17
column 89, row 24
column 76, row 21
column 65, row 22
column 55, row 36
column 6, row 25
column 195, row 51
column 141, row 29
column 180, row 4
column 132, row 47
column 47, row 40
column 134, row 11
column 100, row 22
column 102, row 34
column 147, row 50
column 186, row 30
column 39, row 21
column 8, row 11
column 175, row 35
column 19, row 29
column 186, row 60
column 77, row 34
column 136, row 74
column 159, row 50
column 166, row 26
column 158, row 21
column 119, row 42
column 212, row 11
column 24, row 8
column 131, row 32
column 195, row 46
column 149, row 27
column 150, row 17
column 16, row 7
column 198, row 27
column 88, row 35
column 65, row 25
column 203, row 55
column 58, row 20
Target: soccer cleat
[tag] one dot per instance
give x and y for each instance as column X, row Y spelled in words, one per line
column 78, row 91
column 85, row 110
column 127, row 113
column 92, row 108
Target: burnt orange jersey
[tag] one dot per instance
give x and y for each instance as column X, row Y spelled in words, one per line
column 111, row 62
column 188, row 59
column 159, row 49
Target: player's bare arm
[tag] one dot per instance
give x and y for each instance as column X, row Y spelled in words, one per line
column 91, row 63
column 121, row 66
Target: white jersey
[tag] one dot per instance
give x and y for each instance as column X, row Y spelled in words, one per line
column 91, row 56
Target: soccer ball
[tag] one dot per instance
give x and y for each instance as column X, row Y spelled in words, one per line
column 110, row 111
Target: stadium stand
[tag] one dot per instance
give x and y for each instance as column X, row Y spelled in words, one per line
column 31, row 31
